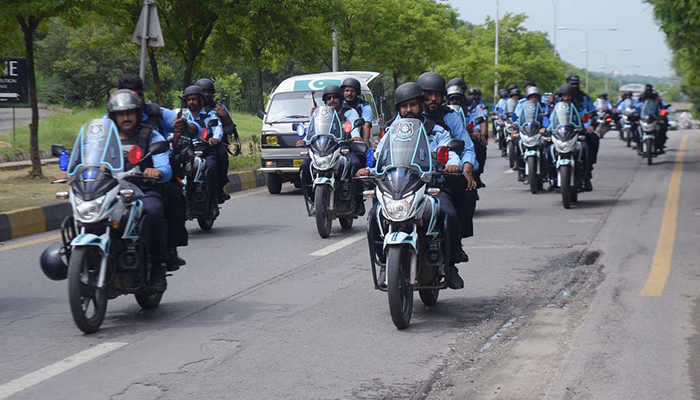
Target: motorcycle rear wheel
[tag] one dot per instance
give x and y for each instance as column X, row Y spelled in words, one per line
column 565, row 171
column 205, row 224
column 148, row 301
column 323, row 217
column 628, row 137
column 85, row 264
column 649, row 151
column 534, row 178
column 398, row 286
column 512, row 156
column 346, row 223
column 429, row 297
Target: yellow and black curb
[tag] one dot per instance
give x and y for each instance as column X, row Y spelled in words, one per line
column 31, row 220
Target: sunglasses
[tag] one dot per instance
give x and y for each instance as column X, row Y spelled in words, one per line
column 333, row 96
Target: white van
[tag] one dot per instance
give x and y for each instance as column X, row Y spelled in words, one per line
column 290, row 104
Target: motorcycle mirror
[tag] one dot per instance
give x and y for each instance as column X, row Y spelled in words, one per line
column 370, row 158
column 135, row 155
column 359, row 122
column 63, row 160
column 159, row 147
column 456, row 145
column 57, row 149
column 443, row 155
column 545, row 122
column 347, row 127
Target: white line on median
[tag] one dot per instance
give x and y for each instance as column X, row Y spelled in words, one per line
column 52, row 370
column 336, row 246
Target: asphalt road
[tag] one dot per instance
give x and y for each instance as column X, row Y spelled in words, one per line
column 552, row 306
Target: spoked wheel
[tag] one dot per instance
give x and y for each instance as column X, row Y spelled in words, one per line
column 148, row 301
column 346, row 223
column 649, row 150
column 398, row 286
column 323, row 216
column 205, row 224
column 566, row 189
column 88, row 304
column 512, row 157
column 534, row 178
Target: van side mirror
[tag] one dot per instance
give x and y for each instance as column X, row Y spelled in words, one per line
column 261, row 114
column 57, row 149
column 456, row 145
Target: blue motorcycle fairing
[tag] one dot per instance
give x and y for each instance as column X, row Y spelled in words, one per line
column 89, row 239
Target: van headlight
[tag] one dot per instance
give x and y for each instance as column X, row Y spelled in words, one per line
column 324, row 162
column 86, row 211
column 400, row 209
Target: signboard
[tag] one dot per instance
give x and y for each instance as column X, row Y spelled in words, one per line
column 14, row 81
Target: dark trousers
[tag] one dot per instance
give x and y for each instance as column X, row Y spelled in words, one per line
column 480, row 151
column 152, row 203
column 175, row 215
column 464, row 202
column 447, row 210
column 211, row 175
column 221, row 166
column 593, row 142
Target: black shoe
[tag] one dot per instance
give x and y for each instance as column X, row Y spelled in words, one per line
column 175, row 261
column 381, row 277
column 589, row 186
column 456, row 281
column 480, row 185
column 214, row 210
column 223, row 197
column 360, row 207
column 158, row 282
column 463, row 257
column 521, row 177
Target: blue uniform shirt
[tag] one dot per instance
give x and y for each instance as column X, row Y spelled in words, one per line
column 161, row 161
column 216, row 131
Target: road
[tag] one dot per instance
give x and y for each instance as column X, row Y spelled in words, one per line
column 22, row 117
column 265, row 309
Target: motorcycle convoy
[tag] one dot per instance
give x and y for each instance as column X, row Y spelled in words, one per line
column 103, row 253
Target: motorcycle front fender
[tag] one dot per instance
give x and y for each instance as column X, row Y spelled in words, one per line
column 89, row 239
column 322, row 180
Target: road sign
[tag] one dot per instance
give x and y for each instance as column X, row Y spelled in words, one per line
column 14, row 81
column 155, row 34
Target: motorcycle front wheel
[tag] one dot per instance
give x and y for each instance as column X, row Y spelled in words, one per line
column 565, row 172
column 399, row 289
column 512, row 156
column 628, row 137
column 88, row 304
column 324, row 222
column 534, row 178
column 649, row 151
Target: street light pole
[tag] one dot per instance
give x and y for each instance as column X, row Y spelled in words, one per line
column 585, row 34
column 554, row 51
column 495, row 71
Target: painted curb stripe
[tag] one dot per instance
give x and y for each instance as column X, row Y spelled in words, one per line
column 26, row 221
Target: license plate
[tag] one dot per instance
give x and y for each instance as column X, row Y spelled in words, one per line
column 297, row 163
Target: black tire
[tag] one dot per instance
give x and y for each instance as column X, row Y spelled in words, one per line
column 628, row 137
column 297, row 184
column 149, row 301
column 534, row 178
column 85, row 262
column 565, row 171
column 324, row 222
column 274, row 183
column 650, row 151
column 398, row 288
column 346, row 223
column 429, row 297
column 205, row 224
column 512, row 156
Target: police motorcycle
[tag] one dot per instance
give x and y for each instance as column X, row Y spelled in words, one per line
column 104, row 252
column 499, row 122
column 198, row 186
column 511, row 133
column 416, row 245
column 629, row 121
column 569, row 151
column 333, row 188
column 530, row 143
column 603, row 119
column 649, row 117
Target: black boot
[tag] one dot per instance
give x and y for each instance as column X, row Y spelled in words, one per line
column 455, row 281
column 158, row 282
column 381, row 277
column 175, row 261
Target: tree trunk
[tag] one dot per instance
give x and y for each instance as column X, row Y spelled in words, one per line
column 156, row 78
column 288, row 68
column 28, row 28
column 261, row 103
column 187, row 79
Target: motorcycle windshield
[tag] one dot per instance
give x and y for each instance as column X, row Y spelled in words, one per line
column 650, row 108
column 324, row 121
column 97, row 146
column 628, row 103
column 564, row 115
column 407, row 146
column 510, row 106
column 323, row 145
column 531, row 112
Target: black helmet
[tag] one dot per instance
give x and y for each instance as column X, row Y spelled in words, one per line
column 407, row 91
column 628, row 94
column 571, row 79
column 353, row 83
column 459, row 82
column 603, row 95
column 648, row 87
column 52, row 264
column 503, row 93
column 528, row 84
column 566, row 89
column 194, row 89
column 432, row 82
column 206, row 84
column 123, row 100
column 474, row 91
column 332, row 89
column 455, row 90
column 514, row 91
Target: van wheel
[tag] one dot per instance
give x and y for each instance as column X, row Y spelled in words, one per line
column 274, row 183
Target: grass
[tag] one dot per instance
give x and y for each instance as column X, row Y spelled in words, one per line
column 18, row 190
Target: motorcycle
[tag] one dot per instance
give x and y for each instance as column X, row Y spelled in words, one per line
column 649, row 122
column 198, row 187
column 603, row 120
column 511, row 132
column 569, row 151
column 104, row 252
column 416, row 245
column 630, row 123
column 334, row 192
column 530, row 144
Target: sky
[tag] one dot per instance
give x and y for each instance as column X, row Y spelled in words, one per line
column 636, row 30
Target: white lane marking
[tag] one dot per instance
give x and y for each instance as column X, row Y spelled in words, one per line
column 509, row 171
column 52, row 370
column 337, row 246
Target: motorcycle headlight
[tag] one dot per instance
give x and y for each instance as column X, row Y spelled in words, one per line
column 86, row 211
column 324, row 162
column 398, row 210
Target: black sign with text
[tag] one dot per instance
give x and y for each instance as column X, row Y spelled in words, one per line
column 14, row 81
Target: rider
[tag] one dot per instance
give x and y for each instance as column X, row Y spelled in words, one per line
column 333, row 97
column 125, row 109
column 477, row 126
column 222, row 148
column 351, row 92
column 458, row 82
column 532, row 93
column 462, row 188
column 409, row 102
column 212, row 132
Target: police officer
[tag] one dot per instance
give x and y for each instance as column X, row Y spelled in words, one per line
column 532, row 93
column 212, row 132
column 462, row 189
column 229, row 128
column 458, row 82
column 125, row 109
column 168, row 123
column 477, row 128
column 409, row 103
column 333, row 97
column 351, row 92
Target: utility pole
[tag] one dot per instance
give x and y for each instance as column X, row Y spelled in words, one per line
column 495, row 71
column 335, row 49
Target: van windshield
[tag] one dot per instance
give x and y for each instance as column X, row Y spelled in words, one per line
column 292, row 106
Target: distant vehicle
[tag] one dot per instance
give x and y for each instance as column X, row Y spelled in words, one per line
column 635, row 88
column 290, row 104
column 672, row 122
